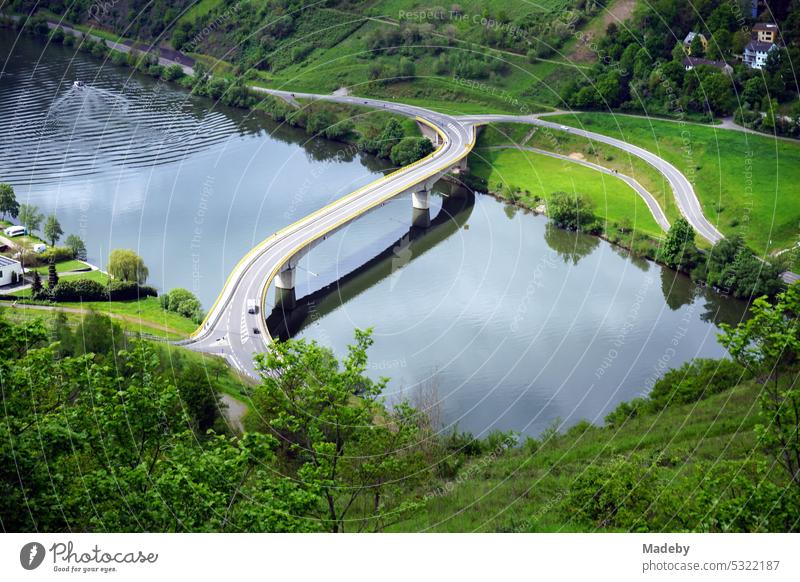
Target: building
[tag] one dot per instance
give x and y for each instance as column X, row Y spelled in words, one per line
column 10, row 271
column 687, row 42
column 15, row 231
column 766, row 32
column 756, row 52
column 690, row 63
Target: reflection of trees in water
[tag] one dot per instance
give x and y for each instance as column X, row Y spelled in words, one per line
column 510, row 211
column 720, row 308
column 678, row 289
column 570, row 246
column 637, row 261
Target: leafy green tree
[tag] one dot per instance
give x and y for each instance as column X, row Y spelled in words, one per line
column 696, row 48
column 733, row 267
column 334, row 428
column 52, row 276
column 410, row 149
column 77, row 246
column 201, row 399
column 36, row 285
column 126, row 265
column 183, row 302
column 52, row 229
column 30, row 217
column 8, row 201
column 679, row 250
column 572, row 212
column 768, row 343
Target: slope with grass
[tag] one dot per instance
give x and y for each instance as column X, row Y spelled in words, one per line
column 680, row 467
column 746, row 183
column 533, row 177
column 567, row 144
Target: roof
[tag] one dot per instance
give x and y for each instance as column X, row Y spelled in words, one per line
column 690, row 37
column 765, row 26
column 696, row 62
column 5, row 261
column 759, row 47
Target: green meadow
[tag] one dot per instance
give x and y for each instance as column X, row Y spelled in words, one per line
column 747, row 184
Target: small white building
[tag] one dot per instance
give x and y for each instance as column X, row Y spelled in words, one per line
column 15, row 231
column 10, row 271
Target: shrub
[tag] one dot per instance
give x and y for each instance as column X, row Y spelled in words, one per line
column 694, row 381
column 57, row 254
column 78, row 290
column 127, row 290
column 183, row 302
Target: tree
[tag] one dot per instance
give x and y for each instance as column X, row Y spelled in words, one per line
column 679, row 251
column 30, row 217
column 126, row 265
column 183, row 302
column 410, row 149
column 52, row 275
column 572, row 212
column 346, row 443
column 200, row 398
column 769, row 343
column 52, row 230
column 36, row 285
column 696, row 48
column 77, row 246
column 8, row 201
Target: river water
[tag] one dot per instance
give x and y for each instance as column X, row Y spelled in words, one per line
column 490, row 319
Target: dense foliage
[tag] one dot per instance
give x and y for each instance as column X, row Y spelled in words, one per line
column 641, row 65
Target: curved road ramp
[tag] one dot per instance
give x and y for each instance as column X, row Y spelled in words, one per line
column 235, row 327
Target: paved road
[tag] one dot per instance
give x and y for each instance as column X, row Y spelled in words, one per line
column 687, row 200
column 652, row 203
column 229, row 330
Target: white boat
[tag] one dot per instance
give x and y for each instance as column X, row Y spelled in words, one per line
column 79, row 84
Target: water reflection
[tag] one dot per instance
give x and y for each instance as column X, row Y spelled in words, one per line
column 569, row 245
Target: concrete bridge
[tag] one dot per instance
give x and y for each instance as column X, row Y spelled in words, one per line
column 230, row 329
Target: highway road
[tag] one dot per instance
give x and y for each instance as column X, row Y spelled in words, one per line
column 233, row 333
column 229, row 330
column 685, row 197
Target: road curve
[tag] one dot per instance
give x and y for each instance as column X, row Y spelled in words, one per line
column 687, row 200
column 649, row 199
column 228, row 329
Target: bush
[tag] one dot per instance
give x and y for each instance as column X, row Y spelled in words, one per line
column 183, row 302
column 127, row 290
column 410, row 149
column 78, row 290
column 694, row 381
column 573, row 212
column 57, row 254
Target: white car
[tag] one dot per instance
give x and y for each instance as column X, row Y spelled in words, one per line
column 39, row 248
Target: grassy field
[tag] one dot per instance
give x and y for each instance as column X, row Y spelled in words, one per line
column 537, row 176
column 525, row 489
column 567, row 144
column 746, row 183
column 142, row 317
column 146, row 310
column 63, row 267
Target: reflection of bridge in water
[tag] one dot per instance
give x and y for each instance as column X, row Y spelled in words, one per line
column 285, row 321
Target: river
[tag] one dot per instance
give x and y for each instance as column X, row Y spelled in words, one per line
column 490, row 319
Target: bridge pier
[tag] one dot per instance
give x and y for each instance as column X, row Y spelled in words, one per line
column 284, row 288
column 420, row 208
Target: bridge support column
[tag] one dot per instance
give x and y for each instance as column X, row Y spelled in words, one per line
column 420, row 200
column 284, row 288
column 420, row 211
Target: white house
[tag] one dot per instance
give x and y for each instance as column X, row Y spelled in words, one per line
column 755, row 53
column 15, row 231
column 10, row 271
